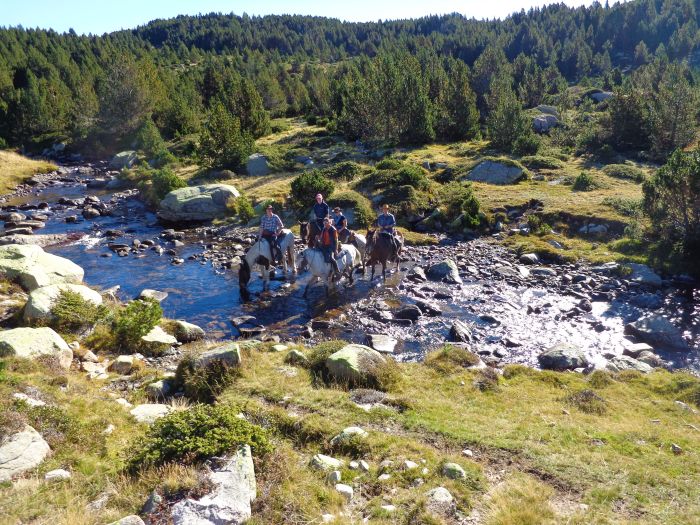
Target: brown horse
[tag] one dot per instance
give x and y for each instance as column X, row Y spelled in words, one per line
column 309, row 231
column 380, row 250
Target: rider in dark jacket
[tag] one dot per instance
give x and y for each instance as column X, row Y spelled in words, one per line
column 321, row 211
column 387, row 223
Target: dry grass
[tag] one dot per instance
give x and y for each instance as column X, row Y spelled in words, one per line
column 16, row 169
column 520, row 500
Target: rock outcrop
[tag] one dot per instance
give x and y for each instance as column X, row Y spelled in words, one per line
column 42, row 300
column 33, row 268
column 197, row 203
column 20, row 452
column 354, row 364
column 494, row 172
column 35, row 342
column 257, row 165
column 563, row 356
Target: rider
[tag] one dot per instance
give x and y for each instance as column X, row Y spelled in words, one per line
column 270, row 228
column 387, row 223
column 340, row 223
column 321, row 211
column 328, row 242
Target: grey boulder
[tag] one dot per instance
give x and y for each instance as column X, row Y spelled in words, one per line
column 31, row 343
column 20, row 452
column 494, row 172
column 197, row 203
column 563, row 356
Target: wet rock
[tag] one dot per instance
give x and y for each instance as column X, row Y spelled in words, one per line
column 187, row 332
column 563, row 356
column 229, row 501
column 460, row 332
column 624, row 362
column 634, row 349
column 18, row 231
column 445, row 270
column 156, row 295
column 42, row 300
column 642, row 274
column 148, row 413
column 417, row 274
column 410, row 312
column 658, row 332
column 90, row 213
column 514, row 273
column 382, row 343
column 651, row 359
column 33, row 268
column 428, row 308
column 20, row 452
column 31, row 343
column 354, row 364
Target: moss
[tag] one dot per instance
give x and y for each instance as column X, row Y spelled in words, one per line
column 198, row 433
column 450, row 359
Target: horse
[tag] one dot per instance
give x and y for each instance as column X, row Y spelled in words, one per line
column 358, row 240
column 348, row 259
column 309, row 231
column 261, row 255
column 379, row 249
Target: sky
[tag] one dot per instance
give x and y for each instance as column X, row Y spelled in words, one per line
column 104, row 16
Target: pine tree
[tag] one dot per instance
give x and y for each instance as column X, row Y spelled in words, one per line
column 223, row 144
column 507, row 120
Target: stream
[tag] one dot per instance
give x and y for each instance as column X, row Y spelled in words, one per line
column 514, row 311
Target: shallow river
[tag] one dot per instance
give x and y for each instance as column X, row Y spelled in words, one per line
column 512, row 319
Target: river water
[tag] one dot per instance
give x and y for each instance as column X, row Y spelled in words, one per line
column 513, row 319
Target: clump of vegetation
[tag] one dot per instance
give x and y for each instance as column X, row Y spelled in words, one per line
column 459, row 201
column 450, row 359
column 164, row 181
column 149, row 140
column 11, row 422
column 624, row 171
column 136, row 320
column 224, row 142
column 389, row 164
column 198, row 433
column 72, row 313
column 600, row 379
column 487, row 380
column 541, row 162
column 308, row 184
column 626, row 207
column 587, row 401
column 204, row 383
column 319, row 353
column 346, row 171
column 526, row 144
column 241, row 207
column 351, row 200
column 585, row 182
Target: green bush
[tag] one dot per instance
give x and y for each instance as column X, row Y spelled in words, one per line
column 626, row 207
column 360, row 205
column 223, row 142
column 600, row 379
column 587, row 401
column 347, row 171
column 148, row 138
column 487, row 380
column 389, row 164
column 164, row 181
column 71, row 313
column 584, row 182
column 624, row 171
column 450, row 359
column 307, row 185
column 201, row 432
column 536, row 162
column 203, row 384
column 242, row 207
column 162, row 158
column 459, row 199
column 527, row 144
column 136, row 320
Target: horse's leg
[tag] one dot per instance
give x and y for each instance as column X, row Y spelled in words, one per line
column 372, row 277
column 384, row 270
column 292, row 259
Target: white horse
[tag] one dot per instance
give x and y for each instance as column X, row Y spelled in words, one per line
column 260, row 254
column 348, row 259
column 359, row 241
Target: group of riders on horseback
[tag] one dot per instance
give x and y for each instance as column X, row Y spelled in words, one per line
column 328, row 232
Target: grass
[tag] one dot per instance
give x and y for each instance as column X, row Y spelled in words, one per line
column 16, row 169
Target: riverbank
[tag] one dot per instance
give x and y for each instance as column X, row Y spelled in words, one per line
column 16, row 169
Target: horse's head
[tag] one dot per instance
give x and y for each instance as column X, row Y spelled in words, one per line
column 243, row 275
column 303, row 229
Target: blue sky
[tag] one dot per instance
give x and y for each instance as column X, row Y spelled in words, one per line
column 100, row 16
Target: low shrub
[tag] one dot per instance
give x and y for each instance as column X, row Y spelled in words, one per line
column 587, row 401
column 624, row 171
column 540, row 162
column 195, row 434
column 203, row 384
column 319, row 353
column 136, row 320
column 389, row 164
column 527, row 144
column 459, row 199
column 164, row 181
column 346, row 171
column 11, row 422
column 360, row 205
column 450, row 359
column 512, row 371
column 537, row 225
column 71, row 313
column 241, row 207
column 626, row 207
column 585, row 182
column 307, row 185
column 487, row 380
column 600, row 379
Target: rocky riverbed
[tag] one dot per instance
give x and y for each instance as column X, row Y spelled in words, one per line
column 508, row 308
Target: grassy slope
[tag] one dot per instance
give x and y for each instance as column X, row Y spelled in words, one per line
column 15, row 169
column 535, row 455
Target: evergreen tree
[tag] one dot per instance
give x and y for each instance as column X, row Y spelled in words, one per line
column 223, row 144
column 507, row 120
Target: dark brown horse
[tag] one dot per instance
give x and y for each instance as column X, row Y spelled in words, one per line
column 309, row 231
column 380, row 250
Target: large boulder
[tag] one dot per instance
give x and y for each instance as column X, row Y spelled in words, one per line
column 658, row 332
column 601, row 96
column 42, row 300
column 563, row 356
column 354, row 364
column 30, row 343
column 124, row 159
column 445, row 271
column 543, row 123
column 33, row 268
column 642, row 274
column 494, row 172
column 234, row 489
column 257, row 165
column 20, row 452
column 197, row 203
column 229, row 353
column 625, row 362
column 187, row 332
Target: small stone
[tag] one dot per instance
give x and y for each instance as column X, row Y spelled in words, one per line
column 453, row 471
column 28, row 400
column 322, row 462
column 388, row 508
column 384, row 477
column 409, row 465
column 468, row 453
column 156, row 295
column 149, row 412
column 57, row 475
column 364, row 466
column 345, row 490
column 327, row 518
column 354, row 465
column 439, row 496
column 676, row 449
column 123, row 402
column 279, row 348
column 122, row 365
column 348, row 434
column 334, row 477
column 107, row 431
column 296, row 358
